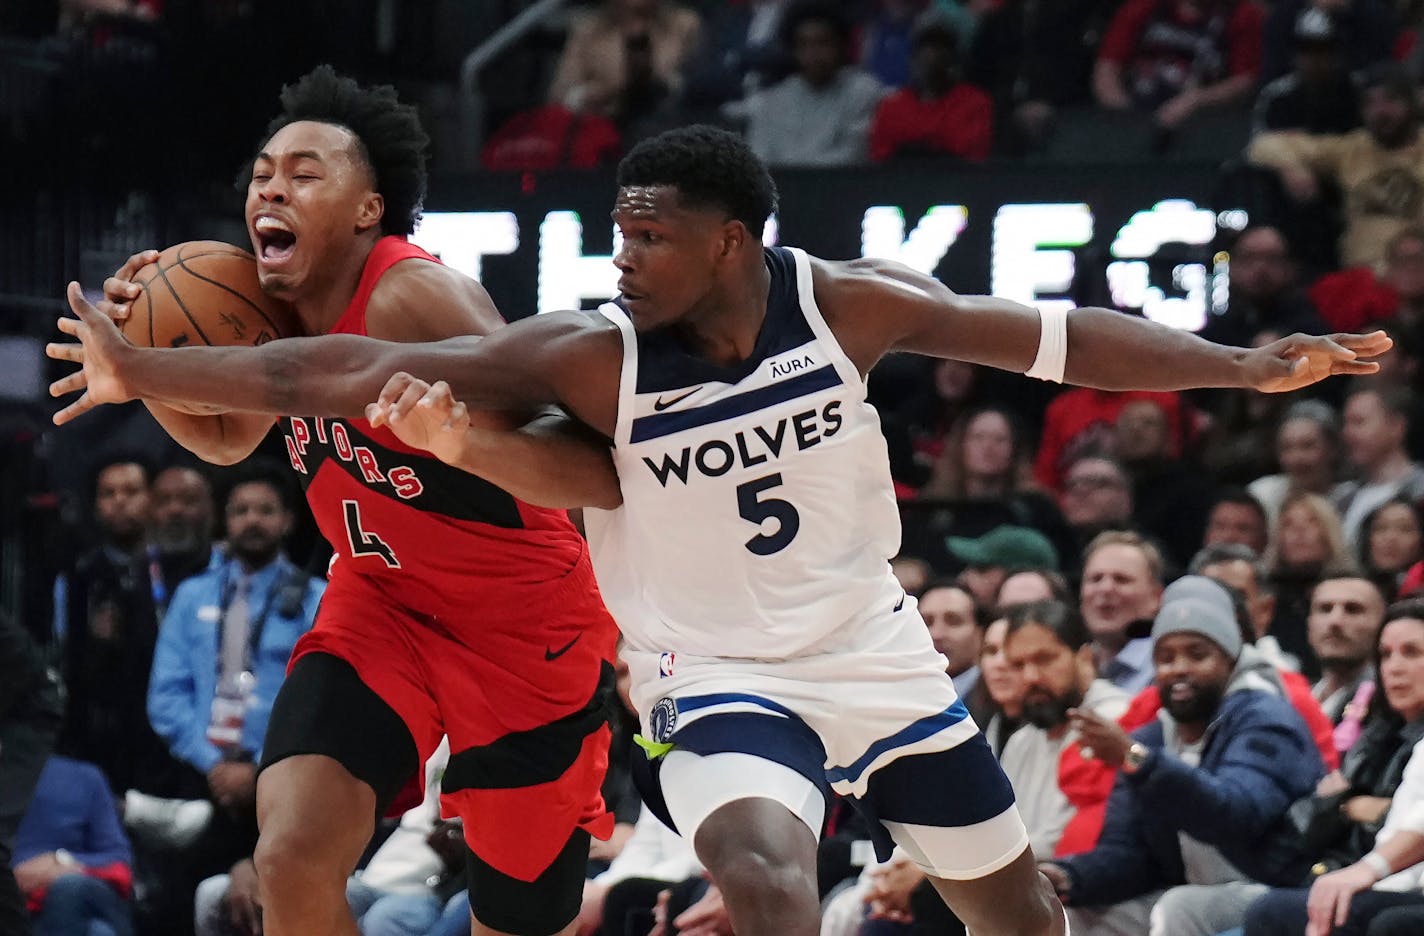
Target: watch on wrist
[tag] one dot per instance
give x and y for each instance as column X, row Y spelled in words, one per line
column 1136, row 756
column 65, row 858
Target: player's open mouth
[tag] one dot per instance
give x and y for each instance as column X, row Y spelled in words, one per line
column 275, row 240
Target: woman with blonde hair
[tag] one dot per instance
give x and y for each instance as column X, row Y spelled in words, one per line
column 1306, row 541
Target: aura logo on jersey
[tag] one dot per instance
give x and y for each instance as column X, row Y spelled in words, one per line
column 791, row 365
column 748, row 448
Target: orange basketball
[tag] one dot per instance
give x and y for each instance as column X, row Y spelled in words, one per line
column 205, row 292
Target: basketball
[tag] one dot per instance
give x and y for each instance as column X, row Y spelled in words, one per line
column 204, row 293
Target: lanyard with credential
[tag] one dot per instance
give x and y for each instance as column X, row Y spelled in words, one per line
column 255, row 625
column 156, row 582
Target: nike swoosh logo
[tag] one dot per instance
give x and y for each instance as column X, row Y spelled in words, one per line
column 660, row 404
column 899, row 604
column 552, row 655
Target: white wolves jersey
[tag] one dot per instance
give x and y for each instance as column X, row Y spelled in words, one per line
column 758, row 514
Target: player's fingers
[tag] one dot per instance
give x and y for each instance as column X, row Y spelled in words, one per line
column 1354, row 367
column 459, row 418
column 1367, row 345
column 65, row 351
column 81, row 306
column 116, row 312
column 1342, row 907
column 375, row 414
column 438, row 397
column 414, row 392
column 120, row 291
column 74, row 410
column 1314, row 913
column 135, row 263
column 394, row 387
column 1320, row 907
column 691, row 917
column 66, row 385
column 69, row 326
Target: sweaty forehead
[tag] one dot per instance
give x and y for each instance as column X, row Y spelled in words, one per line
column 647, row 202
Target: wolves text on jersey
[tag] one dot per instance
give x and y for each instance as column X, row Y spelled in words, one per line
column 716, row 457
column 333, row 434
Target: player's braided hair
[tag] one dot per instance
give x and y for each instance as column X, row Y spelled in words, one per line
column 392, row 141
column 709, row 167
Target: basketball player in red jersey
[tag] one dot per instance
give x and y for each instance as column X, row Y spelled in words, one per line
column 454, row 606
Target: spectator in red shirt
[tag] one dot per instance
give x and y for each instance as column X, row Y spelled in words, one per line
column 1176, row 57
column 939, row 113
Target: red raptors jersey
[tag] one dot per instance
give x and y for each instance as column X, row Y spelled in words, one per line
column 439, row 540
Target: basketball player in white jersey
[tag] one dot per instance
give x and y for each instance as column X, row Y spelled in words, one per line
column 773, row 655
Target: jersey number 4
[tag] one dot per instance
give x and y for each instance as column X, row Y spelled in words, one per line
column 757, row 509
column 363, row 542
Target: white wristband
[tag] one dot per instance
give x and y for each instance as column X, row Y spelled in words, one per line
column 1379, row 864
column 1052, row 357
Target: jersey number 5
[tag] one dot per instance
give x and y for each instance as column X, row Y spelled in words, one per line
column 757, row 509
column 362, row 542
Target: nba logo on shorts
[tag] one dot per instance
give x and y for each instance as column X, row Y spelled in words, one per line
column 665, row 663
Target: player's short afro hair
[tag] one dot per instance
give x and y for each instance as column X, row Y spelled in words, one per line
column 393, row 143
column 710, row 168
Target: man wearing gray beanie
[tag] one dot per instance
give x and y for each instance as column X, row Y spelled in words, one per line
column 1195, row 827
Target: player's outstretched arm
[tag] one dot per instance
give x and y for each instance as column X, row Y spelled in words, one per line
column 904, row 310
column 553, row 461
column 521, row 367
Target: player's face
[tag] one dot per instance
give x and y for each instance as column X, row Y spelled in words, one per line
column 256, row 522
column 310, row 199
column 670, row 254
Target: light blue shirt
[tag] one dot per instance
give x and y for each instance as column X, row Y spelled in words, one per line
column 1131, row 670
column 185, row 661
